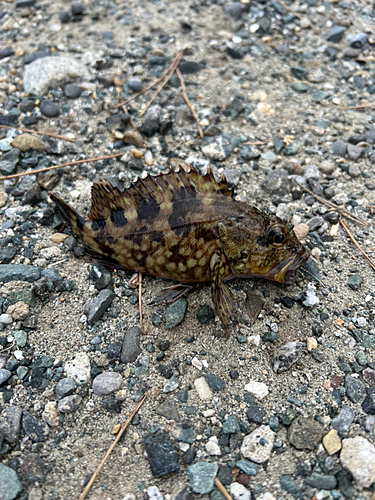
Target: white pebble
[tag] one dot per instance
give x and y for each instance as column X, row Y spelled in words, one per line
column 203, row 388
column 6, row 319
column 212, row 446
column 196, row 363
column 239, row 492
column 257, row 389
column 78, row 368
column 153, row 493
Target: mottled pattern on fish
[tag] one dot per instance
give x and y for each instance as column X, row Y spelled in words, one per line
column 186, row 227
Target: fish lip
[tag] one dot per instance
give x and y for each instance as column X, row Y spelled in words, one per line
column 295, row 263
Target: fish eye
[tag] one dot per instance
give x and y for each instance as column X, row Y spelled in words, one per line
column 276, row 236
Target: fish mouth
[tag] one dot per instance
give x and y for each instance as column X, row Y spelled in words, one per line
column 285, row 272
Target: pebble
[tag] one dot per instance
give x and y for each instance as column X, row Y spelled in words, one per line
column 10, row 484
column 358, row 457
column 231, row 425
column 50, row 414
column 99, row 305
column 286, row 356
column 106, row 383
column 287, row 484
column 36, row 430
column 368, row 404
column 301, row 231
column 255, row 414
column 344, row 420
column 304, row 433
column 3, row 199
column 354, row 281
column 18, row 272
column 219, row 149
column 311, row 343
column 72, row 91
column 10, row 423
column 331, row 442
column 203, row 388
column 257, row 446
column 69, row 404
column 153, row 493
column 354, row 152
column 174, row 314
column 131, row 345
column 161, row 454
column 247, row 467
column 201, row 476
column 205, row 315
column 42, row 74
column 311, row 299
column 4, row 375
column 79, row 368
column 339, row 148
column 336, row 34
column 212, row 447
column 239, row 492
column 321, row 481
column 28, row 142
column 355, row 389
column 258, row 389
column 215, row 383
column 369, row 376
column 19, row 311
column 326, row 167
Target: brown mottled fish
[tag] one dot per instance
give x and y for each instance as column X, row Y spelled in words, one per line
column 186, row 227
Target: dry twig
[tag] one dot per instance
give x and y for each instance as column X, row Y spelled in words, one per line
column 171, row 70
column 122, row 430
column 259, row 143
column 341, row 211
column 8, row 348
column 222, row 489
column 140, row 298
column 289, row 8
column 30, row 131
column 343, row 224
column 185, row 96
column 32, row 172
column 358, row 107
column 146, row 89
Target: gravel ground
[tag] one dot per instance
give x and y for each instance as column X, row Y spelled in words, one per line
column 286, row 407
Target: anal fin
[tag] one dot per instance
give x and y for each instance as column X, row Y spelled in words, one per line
column 222, row 298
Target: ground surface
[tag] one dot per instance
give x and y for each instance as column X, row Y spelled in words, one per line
column 264, row 76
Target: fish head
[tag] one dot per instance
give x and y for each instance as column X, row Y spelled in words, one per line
column 262, row 245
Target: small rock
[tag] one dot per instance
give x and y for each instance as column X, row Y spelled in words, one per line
column 48, row 108
column 326, row 167
column 247, row 467
column 153, row 493
column 257, row 446
column 10, row 423
column 354, row 152
column 336, row 34
column 257, row 389
column 10, row 484
column 355, row 389
column 69, row 404
column 201, row 476
column 239, row 492
column 339, row 148
column 311, row 343
column 358, row 457
column 215, row 383
column 355, row 281
column 3, row 199
column 369, row 376
column 19, row 311
column 344, row 420
column 174, row 314
column 301, row 231
column 28, row 142
column 4, row 375
column 212, row 447
column 161, row 454
column 368, row 404
column 131, row 345
column 331, row 442
column 321, row 481
column 203, row 388
column 44, row 73
column 359, row 40
column 304, row 433
column 231, row 425
column 354, row 171
column 190, row 67
column 219, row 149
column 78, row 8
column 65, row 387
column 72, row 91
column 106, row 383
column 79, row 368
column 99, row 305
column 37, row 431
column 205, row 315
column 50, row 414
column 286, row 356
column 18, row 272
column 315, row 223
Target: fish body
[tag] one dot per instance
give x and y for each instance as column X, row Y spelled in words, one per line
column 189, row 228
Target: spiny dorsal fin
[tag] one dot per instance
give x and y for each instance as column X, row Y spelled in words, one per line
column 160, row 188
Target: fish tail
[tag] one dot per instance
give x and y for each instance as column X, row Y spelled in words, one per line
column 69, row 215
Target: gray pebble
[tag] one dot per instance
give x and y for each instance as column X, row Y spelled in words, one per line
column 48, row 108
column 344, row 420
column 315, row 223
column 4, row 375
column 10, row 484
column 99, row 305
column 65, row 387
column 131, row 345
column 36, row 430
column 339, row 148
column 335, row 34
column 69, row 404
column 106, row 383
column 304, row 433
column 355, row 389
column 353, row 152
column 10, row 423
column 72, row 91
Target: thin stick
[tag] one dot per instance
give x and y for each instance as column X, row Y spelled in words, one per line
column 127, row 112
column 185, row 96
column 32, row 172
column 155, row 82
column 140, row 298
column 260, row 143
column 358, row 107
column 39, row 133
column 222, row 489
column 357, row 244
column 123, row 428
column 170, row 72
column 289, row 8
column 329, row 204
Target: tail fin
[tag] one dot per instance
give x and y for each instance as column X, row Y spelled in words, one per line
column 69, row 215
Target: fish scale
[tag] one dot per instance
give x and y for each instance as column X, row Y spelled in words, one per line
column 185, row 227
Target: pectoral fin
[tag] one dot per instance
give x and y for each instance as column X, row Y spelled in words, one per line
column 222, row 298
column 172, row 293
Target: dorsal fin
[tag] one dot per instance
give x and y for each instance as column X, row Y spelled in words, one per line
column 160, row 188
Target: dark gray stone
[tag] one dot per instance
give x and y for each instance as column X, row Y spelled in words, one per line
column 4, row 375
column 32, row 468
column 339, row 148
column 355, row 389
column 255, row 414
column 18, row 272
column 131, row 345
column 248, row 468
column 36, row 430
column 72, row 91
column 65, row 387
column 315, row 223
column 234, row 10
column 168, row 409
column 64, row 16
column 354, row 152
column 355, row 281
column 26, row 106
column 304, row 433
column 49, row 109
column 368, row 404
column 344, row 420
column 135, row 85
column 33, row 195
column 161, row 454
column 359, row 40
column 114, row 350
column 190, row 67
column 77, row 8
column 335, row 34
column 69, row 404
column 174, row 314
column 276, row 182
column 10, row 423
column 99, row 305
column 216, row 383
column 231, row 425
column 321, row 481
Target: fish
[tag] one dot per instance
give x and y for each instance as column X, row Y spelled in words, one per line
column 186, row 227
